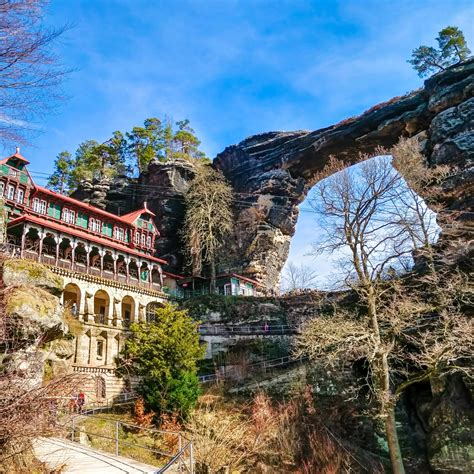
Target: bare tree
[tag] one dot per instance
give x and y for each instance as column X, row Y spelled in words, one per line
column 208, row 219
column 296, row 277
column 30, row 74
column 361, row 215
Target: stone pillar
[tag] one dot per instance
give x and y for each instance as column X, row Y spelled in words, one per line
column 117, row 320
column 109, row 352
column 141, row 312
column 87, row 309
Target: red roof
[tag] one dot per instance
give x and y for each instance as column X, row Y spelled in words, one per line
column 83, row 235
column 17, row 156
column 131, row 217
column 82, row 204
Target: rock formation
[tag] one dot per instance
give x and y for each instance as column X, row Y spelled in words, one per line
column 271, row 173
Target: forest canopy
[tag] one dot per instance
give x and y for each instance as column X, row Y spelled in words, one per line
column 126, row 153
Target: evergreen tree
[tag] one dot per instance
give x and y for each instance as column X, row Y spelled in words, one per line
column 147, row 142
column 452, row 49
column 164, row 354
column 60, row 180
column 186, row 142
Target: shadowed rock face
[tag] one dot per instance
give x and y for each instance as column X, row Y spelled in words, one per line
column 271, row 173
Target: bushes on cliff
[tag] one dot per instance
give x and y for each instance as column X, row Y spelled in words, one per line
column 164, row 354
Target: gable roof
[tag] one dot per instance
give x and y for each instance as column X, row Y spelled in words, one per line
column 131, row 217
column 16, row 155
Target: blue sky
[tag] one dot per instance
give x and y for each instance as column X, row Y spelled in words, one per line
column 234, row 68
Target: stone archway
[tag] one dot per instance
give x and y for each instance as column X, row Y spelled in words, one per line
column 101, row 307
column 72, row 298
column 128, row 310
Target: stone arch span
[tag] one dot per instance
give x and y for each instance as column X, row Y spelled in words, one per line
column 272, row 173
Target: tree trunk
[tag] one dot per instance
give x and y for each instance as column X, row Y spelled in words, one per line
column 213, row 277
column 392, row 441
column 382, row 372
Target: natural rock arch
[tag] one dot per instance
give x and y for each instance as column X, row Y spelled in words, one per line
column 272, row 173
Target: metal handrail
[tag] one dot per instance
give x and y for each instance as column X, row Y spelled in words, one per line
column 242, row 330
column 269, row 363
column 178, row 457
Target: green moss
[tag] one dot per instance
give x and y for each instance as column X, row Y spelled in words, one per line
column 34, row 271
column 40, row 301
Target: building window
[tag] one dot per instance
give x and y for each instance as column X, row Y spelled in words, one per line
column 20, row 195
column 94, row 225
column 69, row 216
column 100, row 349
column 137, row 238
column 148, row 241
column 10, row 191
column 2, row 188
column 119, row 233
column 39, row 206
column 143, row 240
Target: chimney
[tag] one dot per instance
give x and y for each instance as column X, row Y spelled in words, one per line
column 17, row 150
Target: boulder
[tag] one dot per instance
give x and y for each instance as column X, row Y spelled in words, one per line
column 29, row 274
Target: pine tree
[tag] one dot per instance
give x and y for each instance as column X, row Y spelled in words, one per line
column 452, row 49
column 60, row 180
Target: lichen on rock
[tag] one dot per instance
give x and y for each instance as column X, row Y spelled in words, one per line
column 31, row 274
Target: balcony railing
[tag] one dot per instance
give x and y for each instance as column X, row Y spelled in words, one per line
column 15, row 251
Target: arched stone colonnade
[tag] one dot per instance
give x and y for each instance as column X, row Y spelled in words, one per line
column 93, row 303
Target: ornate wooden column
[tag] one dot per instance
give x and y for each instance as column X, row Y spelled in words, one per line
column 57, row 239
column 41, row 236
column 126, row 259
column 26, row 229
column 101, row 253
column 88, row 249
column 115, row 258
column 74, row 245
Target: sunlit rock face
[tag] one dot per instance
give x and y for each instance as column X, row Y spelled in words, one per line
column 271, row 173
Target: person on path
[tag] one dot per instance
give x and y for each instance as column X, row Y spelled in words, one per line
column 81, row 400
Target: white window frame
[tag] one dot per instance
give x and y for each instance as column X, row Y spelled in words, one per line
column 119, row 233
column 148, row 241
column 20, row 195
column 95, row 225
column 39, row 206
column 143, row 240
column 2, row 188
column 69, row 216
column 137, row 238
column 11, row 192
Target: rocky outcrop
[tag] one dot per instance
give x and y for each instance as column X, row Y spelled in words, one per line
column 163, row 187
column 271, row 173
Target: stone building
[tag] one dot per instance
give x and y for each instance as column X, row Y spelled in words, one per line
column 111, row 275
